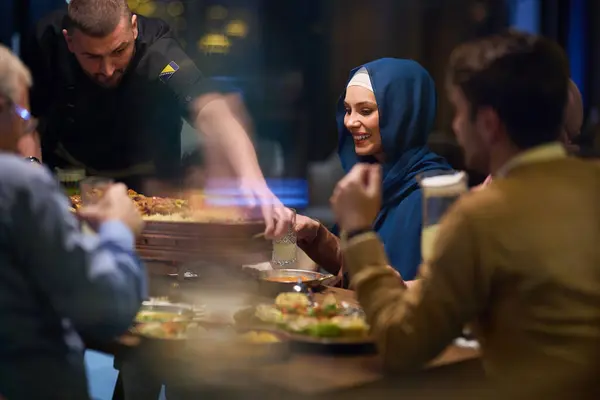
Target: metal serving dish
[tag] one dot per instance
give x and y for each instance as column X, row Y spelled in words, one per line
column 273, row 282
column 181, row 312
column 163, row 321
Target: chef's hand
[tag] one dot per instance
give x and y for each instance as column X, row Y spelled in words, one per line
column 114, row 204
column 356, row 200
column 306, row 228
column 278, row 219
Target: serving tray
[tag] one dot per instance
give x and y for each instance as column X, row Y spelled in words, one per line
column 211, row 242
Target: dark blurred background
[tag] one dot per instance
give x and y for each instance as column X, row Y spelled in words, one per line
column 291, row 59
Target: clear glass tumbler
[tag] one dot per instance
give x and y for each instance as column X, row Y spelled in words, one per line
column 440, row 189
column 93, row 188
column 285, row 248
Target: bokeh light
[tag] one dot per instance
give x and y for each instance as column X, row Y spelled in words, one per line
column 175, row 9
column 214, row 43
column 237, row 28
column 146, row 8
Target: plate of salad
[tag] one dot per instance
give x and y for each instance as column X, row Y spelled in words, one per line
column 329, row 323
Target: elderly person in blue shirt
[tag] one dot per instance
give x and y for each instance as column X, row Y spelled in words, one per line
column 55, row 281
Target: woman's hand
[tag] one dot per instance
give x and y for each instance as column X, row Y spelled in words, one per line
column 306, row 228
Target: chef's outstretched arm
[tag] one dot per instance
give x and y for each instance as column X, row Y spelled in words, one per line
column 221, row 118
column 216, row 110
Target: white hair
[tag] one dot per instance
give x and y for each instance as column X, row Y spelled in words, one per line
column 13, row 74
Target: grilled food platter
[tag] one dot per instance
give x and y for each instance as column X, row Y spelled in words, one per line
column 191, row 210
column 184, row 231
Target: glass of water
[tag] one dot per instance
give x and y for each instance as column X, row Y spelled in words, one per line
column 93, row 188
column 285, row 248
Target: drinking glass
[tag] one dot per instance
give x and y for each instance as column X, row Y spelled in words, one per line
column 440, row 189
column 70, row 179
column 285, row 248
column 92, row 189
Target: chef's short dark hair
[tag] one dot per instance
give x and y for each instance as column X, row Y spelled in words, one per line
column 523, row 77
column 97, row 18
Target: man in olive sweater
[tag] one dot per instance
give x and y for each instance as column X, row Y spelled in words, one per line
column 521, row 258
column 571, row 130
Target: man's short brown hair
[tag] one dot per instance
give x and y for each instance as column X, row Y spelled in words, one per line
column 523, row 77
column 97, row 18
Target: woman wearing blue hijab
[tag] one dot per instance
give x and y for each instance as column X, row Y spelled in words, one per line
column 384, row 116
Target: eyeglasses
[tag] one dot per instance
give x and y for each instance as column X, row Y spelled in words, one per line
column 29, row 121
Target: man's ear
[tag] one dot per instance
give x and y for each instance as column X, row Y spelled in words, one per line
column 134, row 26
column 68, row 39
column 489, row 124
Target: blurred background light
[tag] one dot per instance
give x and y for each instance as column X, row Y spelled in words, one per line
column 146, row 8
column 175, row 9
column 237, row 28
column 214, row 43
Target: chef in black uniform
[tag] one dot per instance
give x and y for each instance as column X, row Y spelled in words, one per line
column 111, row 88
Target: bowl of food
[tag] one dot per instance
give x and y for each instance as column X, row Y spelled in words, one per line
column 275, row 281
column 163, row 320
column 327, row 325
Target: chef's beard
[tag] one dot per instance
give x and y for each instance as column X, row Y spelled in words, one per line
column 111, row 83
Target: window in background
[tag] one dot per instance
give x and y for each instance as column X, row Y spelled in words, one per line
column 525, row 15
column 577, row 45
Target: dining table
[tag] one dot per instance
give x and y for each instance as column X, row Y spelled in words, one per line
column 306, row 373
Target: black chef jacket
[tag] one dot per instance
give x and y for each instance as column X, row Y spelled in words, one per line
column 128, row 133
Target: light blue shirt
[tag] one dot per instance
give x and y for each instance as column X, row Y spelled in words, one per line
column 55, row 284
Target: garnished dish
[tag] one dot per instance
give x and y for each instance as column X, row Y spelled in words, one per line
column 175, row 210
column 296, row 314
column 158, row 316
column 275, row 281
column 159, row 319
column 162, row 330
column 287, row 279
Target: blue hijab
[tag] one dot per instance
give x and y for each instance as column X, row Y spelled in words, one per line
column 406, row 99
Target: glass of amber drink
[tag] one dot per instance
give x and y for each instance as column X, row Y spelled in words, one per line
column 285, row 247
column 93, row 188
column 440, row 189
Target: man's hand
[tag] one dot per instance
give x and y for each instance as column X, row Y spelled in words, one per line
column 356, row 200
column 115, row 204
column 407, row 284
column 485, row 183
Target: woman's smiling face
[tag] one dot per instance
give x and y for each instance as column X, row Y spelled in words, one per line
column 362, row 121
